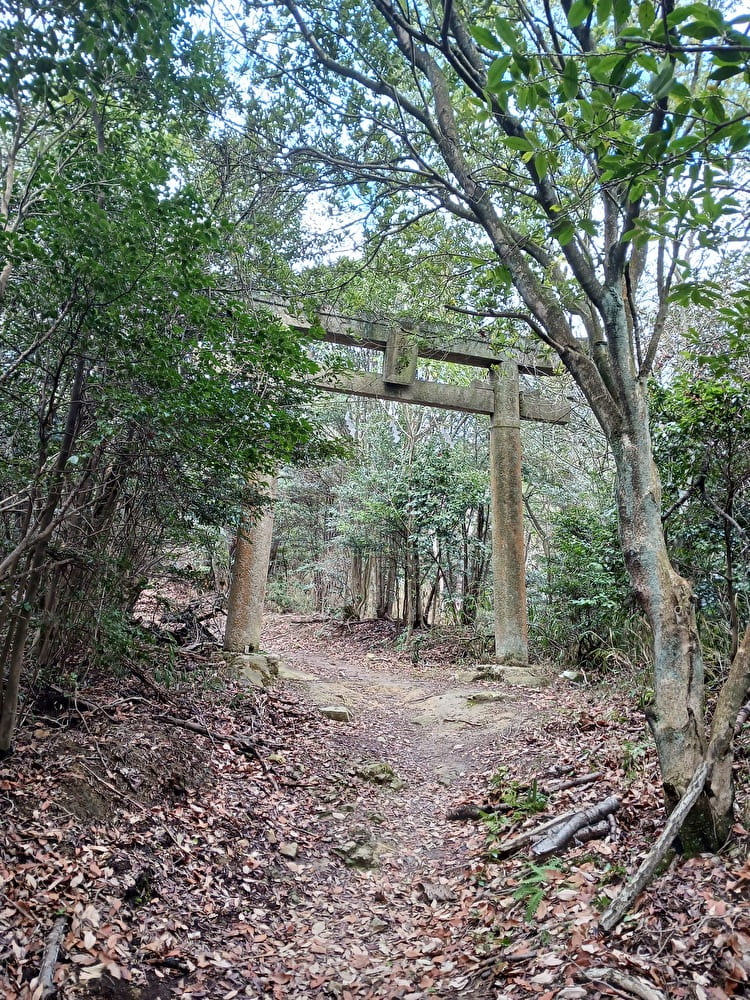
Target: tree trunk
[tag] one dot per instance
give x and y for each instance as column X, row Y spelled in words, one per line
column 677, row 718
column 20, row 617
column 415, row 614
column 386, row 585
column 734, row 621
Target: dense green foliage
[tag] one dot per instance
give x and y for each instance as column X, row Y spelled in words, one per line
column 702, row 429
column 400, row 531
column 138, row 391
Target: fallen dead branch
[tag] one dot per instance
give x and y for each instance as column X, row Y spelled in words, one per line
column 613, row 977
column 190, row 653
column 509, row 847
column 630, row 891
column 238, row 742
column 559, row 837
column 593, row 832
column 150, row 683
column 45, row 986
column 564, row 784
column 473, row 811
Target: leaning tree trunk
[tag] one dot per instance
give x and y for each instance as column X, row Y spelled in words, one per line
column 677, row 717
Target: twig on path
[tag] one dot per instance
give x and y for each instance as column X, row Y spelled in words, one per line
column 45, row 986
column 112, row 788
column 520, row 956
column 466, row 722
column 613, row 977
column 23, row 910
column 630, row 891
column 559, row 838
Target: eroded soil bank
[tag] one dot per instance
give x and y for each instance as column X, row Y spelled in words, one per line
column 270, row 851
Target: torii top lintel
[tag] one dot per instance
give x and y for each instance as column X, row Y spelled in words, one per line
column 438, row 342
column 403, row 345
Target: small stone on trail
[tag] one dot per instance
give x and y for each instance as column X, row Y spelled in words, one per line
column 485, row 696
column 289, row 850
column 572, row 675
column 339, row 713
column 379, row 773
column 361, row 850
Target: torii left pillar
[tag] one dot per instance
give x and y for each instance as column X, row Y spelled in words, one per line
column 506, row 494
column 247, row 591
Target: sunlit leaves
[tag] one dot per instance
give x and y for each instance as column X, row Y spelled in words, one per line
column 579, row 11
column 639, row 62
column 486, row 38
column 569, row 79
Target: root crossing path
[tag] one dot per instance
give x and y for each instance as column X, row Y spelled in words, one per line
column 376, row 887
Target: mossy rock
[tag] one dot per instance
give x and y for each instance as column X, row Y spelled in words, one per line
column 377, row 772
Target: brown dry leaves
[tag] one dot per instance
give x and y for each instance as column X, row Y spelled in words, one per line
column 171, row 855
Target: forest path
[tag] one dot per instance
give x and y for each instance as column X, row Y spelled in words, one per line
column 431, row 727
column 220, row 841
column 386, row 908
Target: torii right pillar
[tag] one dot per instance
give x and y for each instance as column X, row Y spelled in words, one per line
column 506, row 491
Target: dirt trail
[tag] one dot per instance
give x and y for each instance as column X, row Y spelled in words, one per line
column 437, row 727
column 387, row 931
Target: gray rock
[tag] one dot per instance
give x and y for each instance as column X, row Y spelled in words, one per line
column 481, row 697
column 339, row 713
column 287, row 673
column 572, row 675
column 379, row 773
column 252, row 678
column 522, row 676
column 360, row 850
column 274, row 663
column 251, row 669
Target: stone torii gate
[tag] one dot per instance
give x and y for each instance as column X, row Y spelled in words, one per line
column 497, row 396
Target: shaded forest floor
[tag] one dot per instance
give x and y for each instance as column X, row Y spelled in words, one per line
column 284, row 854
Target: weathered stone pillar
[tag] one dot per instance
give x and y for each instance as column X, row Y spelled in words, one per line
column 248, row 587
column 508, row 553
